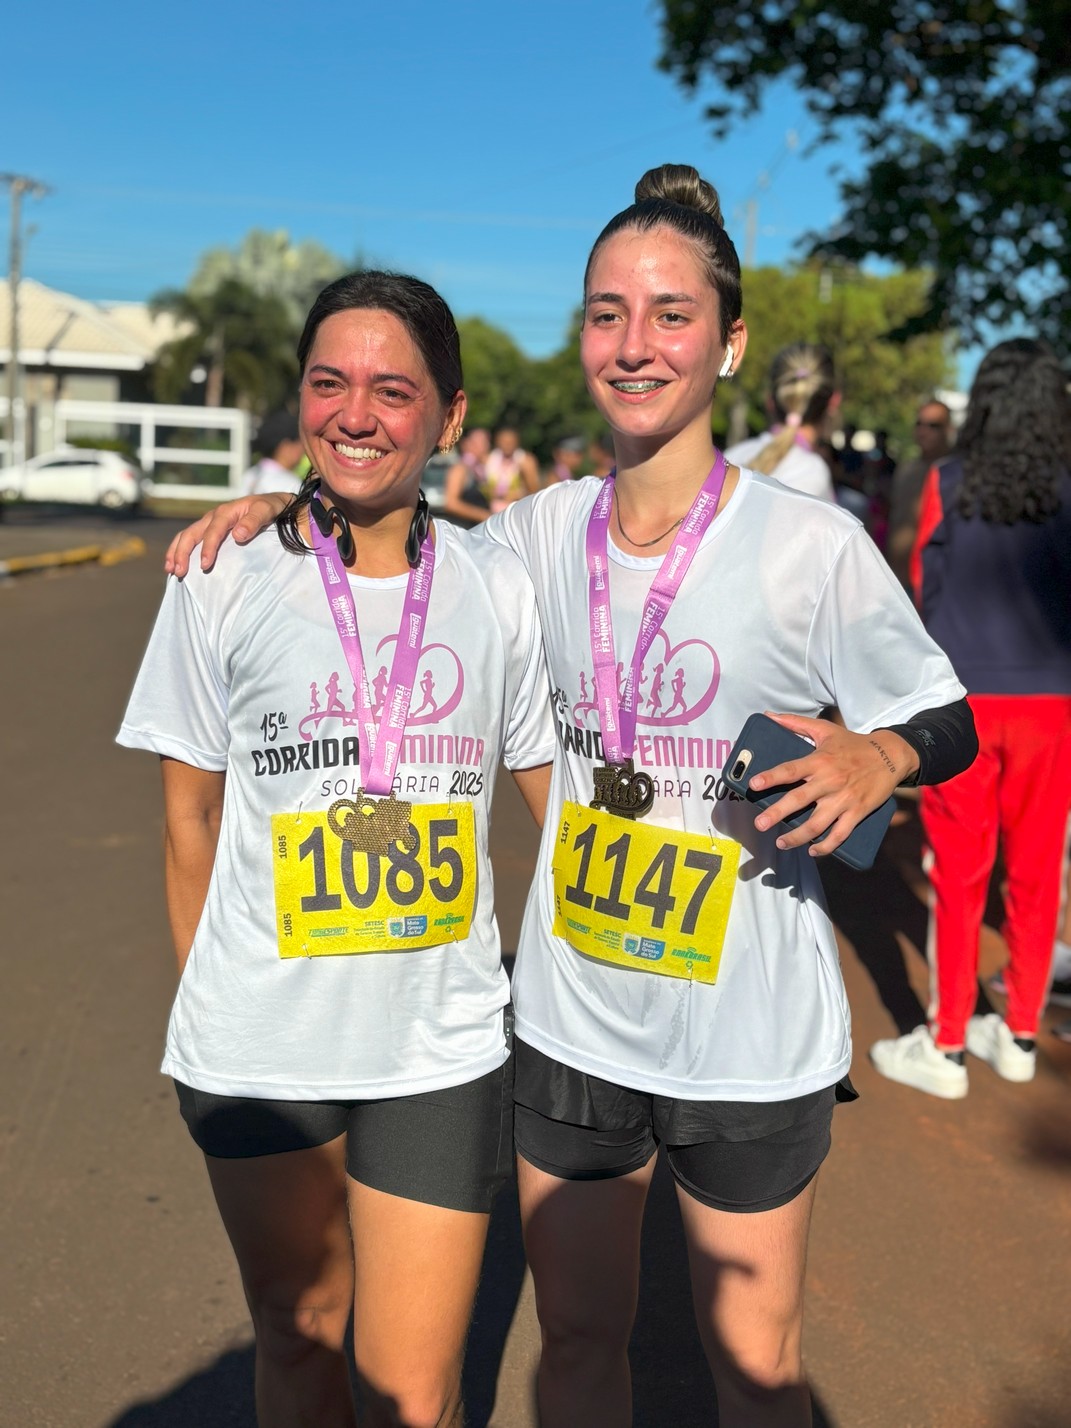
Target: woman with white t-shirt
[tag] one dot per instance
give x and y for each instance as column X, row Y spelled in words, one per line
column 802, row 391
column 677, row 982
column 330, row 709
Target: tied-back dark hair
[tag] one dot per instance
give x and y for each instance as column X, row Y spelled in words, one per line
column 1015, row 441
column 674, row 196
column 423, row 314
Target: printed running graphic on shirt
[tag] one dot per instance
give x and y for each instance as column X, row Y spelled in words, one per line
column 333, row 899
column 678, row 684
column 327, row 738
column 639, row 896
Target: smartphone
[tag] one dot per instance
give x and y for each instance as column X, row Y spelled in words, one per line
column 762, row 745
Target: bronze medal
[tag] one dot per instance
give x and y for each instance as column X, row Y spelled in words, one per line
column 373, row 825
column 619, row 789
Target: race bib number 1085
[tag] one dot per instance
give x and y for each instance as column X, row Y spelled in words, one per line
column 332, row 899
column 639, row 896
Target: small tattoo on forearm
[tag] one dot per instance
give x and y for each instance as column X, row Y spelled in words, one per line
column 883, row 755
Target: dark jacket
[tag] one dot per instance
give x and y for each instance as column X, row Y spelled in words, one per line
column 996, row 598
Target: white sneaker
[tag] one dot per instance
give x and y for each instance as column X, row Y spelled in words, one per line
column 990, row 1039
column 913, row 1060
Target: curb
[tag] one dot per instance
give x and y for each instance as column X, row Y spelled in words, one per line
column 128, row 549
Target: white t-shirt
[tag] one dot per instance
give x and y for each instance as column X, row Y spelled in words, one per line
column 799, row 468
column 269, row 475
column 245, row 673
column 788, row 606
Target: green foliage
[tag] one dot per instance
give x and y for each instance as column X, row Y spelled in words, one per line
column 964, row 112
column 850, row 312
column 545, row 399
column 496, row 373
column 245, row 341
column 105, row 443
column 561, row 404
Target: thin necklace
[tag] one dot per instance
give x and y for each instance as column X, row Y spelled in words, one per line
column 643, row 544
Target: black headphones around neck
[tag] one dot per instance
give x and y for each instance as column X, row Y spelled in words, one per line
column 329, row 519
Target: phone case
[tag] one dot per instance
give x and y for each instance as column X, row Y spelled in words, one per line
column 762, row 745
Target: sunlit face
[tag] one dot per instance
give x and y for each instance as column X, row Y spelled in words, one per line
column 651, row 343
column 370, row 413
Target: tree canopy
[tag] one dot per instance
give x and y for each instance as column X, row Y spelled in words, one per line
column 964, row 112
column 243, row 339
column 243, row 332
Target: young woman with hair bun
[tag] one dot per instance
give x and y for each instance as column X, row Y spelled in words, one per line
column 802, row 391
column 677, row 982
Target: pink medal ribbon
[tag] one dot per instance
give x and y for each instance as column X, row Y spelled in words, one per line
column 618, row 787
column 379, row 748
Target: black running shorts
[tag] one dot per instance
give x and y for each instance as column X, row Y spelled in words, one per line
column 740, row 1156
column 452, row 1147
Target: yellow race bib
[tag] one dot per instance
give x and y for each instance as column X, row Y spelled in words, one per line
column 639, row 896
column 332, row 899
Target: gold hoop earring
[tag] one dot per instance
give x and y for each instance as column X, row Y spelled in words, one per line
column 451, row 439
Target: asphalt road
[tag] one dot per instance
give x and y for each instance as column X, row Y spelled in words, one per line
column 938, row 1271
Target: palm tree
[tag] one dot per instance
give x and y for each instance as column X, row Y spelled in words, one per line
column 245, row 340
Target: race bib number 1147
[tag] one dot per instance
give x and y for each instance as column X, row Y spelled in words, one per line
column 332, row 899
column 640, row 896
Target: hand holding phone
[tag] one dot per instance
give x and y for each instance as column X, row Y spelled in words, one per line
column 763, row 747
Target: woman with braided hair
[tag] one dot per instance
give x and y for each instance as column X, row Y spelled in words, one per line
column 802, row 392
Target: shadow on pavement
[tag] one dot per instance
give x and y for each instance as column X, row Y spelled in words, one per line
column 220, row 1396
column 869, row 908
column 877, row 908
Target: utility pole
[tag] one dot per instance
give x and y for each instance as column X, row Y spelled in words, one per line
column 18, row 184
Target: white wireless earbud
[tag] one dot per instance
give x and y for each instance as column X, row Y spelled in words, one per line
column 726, row 369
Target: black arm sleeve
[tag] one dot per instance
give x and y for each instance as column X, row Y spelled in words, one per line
column 944, row 739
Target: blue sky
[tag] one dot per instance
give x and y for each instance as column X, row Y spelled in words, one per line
column 481, row 145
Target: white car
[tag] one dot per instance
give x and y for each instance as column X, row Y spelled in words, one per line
column 94, row 478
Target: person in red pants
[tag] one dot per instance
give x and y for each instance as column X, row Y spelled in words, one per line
column 992, row 577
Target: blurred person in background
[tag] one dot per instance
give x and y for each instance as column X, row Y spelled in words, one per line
column 568, row 459
column 878, row 468
column 802, row 392
column 279, row 443
column 464, row 498
column 1058, row 993
column 509, row 471
column 848, row 476
column 992, row 576
column 601, row 455
column 933, row 436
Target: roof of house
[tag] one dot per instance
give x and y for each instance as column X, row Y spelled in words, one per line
column 60, row 330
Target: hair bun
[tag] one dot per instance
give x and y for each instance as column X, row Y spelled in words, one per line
column 680, row 183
